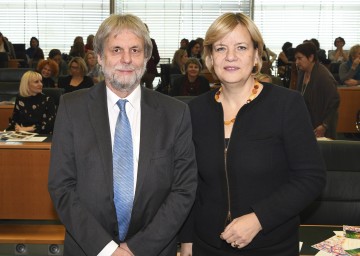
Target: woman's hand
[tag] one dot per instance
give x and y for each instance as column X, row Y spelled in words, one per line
column 241, row 231
column 355, row 63
column 20, row 128
column 186, row 249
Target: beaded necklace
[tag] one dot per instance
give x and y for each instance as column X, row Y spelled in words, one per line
column 254, row 92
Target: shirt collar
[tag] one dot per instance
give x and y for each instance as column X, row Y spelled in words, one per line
column 133, row 98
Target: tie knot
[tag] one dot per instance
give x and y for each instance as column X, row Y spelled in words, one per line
column 121, row 104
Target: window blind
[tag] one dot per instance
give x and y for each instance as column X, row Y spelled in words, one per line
column 294, row 21
column 54, row 23
column 169, row 21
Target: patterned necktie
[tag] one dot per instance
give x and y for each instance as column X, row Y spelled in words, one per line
column 123, row 170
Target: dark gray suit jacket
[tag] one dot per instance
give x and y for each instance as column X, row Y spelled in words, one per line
column 81, row 177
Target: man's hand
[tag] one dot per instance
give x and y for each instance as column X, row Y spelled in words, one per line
column 186, row 249
column 123, row 250
column 320, row 131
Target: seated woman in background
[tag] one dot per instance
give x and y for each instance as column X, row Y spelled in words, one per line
column 178, row 62
column 55, row 55
column 34, row 53
column 190, row 84
column 48, row 69
column 349, row 71
column 89, row 46
column 338, row 55
column 77, row 78
column 283, row 59
column 77, row 50
column 268, row 57
column 194, row 50
column 94, row 69
column 33, row 111
column 6, row 46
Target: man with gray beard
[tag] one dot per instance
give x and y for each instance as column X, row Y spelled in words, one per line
column 123, row 172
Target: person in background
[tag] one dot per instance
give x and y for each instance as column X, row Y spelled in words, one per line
column 77, row 79
column 338, row 55
column 283, row 59
column 258, row 160
column 87, row 154
column 48, row 69
column 319, row 89
column 77, row 39
column 321, row 53
column 268, row 58
column 349, row 71
column 34, row 53
column 191, row 83
column 193, row 50
column 77, row 50
column 178, row 62
column 6, row 46
column 184, row 43
column 33, row 111
column 94, row 69
column 55, row 55
column 89, row 46
column 151, row 70
column 200, row 40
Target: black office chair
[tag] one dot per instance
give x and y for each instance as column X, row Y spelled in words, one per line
column 163, row 86
column 54, row 93
column 173, row 77
column 4, row 60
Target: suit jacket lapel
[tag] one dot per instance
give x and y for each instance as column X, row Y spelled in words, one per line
column 99, row 120
column 150, row 118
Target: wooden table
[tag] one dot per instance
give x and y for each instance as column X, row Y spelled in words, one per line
column 349, row 106
column 32, row 234
column 27, row 217
column 23, row 181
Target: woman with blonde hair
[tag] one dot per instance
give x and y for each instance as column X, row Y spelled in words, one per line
column 178, row 62
column 258, row 160
column 349, row 71
column 77, row 79
column 33, row 110
column 94, row 69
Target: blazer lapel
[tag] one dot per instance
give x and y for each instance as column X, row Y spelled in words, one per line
column 99, row 120
column 150, row 118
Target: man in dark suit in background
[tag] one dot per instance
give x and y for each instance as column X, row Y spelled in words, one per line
column 83, row 176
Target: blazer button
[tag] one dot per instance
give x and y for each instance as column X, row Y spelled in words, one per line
column 116, row 233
